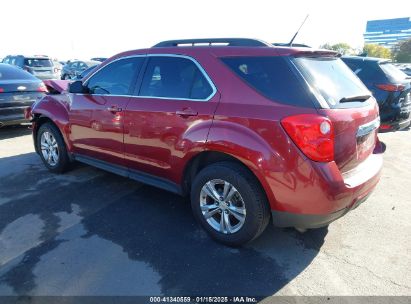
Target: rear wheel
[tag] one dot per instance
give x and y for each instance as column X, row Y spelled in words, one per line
column 229, row 203
column 52, row 148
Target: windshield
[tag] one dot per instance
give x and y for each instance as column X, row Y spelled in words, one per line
column 38, row 62
column 392, row 71
column 331, row 80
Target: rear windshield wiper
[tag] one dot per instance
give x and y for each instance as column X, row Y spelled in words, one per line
column 359, row 98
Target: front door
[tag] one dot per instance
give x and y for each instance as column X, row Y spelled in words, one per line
column 97, row 117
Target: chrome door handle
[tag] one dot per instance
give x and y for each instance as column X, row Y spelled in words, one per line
column 187, row 113
column 114, row 109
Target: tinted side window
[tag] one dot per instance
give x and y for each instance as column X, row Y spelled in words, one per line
column 115, row 78
column 272, row 77
column 174, row 77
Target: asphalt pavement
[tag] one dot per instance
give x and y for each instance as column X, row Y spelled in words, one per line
column 89, row 232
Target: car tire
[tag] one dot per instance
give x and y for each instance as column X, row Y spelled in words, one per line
column 243, row 205
column 52, row 149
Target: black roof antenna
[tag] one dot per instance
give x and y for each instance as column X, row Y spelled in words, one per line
column 295, row 35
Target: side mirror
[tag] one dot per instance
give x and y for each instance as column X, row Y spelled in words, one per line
column 77, row 87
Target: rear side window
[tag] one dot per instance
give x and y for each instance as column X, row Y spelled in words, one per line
column 331, row 79
column 38, row 62
column 174, row 77
column 272, row 77
column 115, row 78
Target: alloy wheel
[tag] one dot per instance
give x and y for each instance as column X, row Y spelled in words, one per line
column 49, row 148
column 222, row 206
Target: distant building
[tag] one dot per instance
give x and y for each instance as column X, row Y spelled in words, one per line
column 387, row 32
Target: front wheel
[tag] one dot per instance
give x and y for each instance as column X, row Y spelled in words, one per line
column 229, row 203
column 52, row 148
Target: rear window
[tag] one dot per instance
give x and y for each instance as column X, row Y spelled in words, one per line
column 392, row 71
column 365, row 70
column 8, row 72
column 331, row 79
column 38, row 62
column 272, row 77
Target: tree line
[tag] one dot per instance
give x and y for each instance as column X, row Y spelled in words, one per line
column 400, row 53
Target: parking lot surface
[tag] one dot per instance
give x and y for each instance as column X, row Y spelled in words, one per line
column 89, row 232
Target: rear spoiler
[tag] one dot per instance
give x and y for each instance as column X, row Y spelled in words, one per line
column 316, row 53
column 56, row 86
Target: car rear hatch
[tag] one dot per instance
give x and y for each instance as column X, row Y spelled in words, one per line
column 16, row 95
column 399, row 86
column 40, row 67
column 344, row 99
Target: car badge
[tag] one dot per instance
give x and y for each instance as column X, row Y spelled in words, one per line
column 21, row 88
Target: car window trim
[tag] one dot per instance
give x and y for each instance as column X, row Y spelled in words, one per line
column 131, row 89
column 200, row 68
column 137, row 87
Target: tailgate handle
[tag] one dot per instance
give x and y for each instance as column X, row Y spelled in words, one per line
column 368, row 127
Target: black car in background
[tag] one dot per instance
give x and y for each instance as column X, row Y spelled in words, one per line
column 18, row 90
column 40, row 66
column 74, row 68
column 390, row 86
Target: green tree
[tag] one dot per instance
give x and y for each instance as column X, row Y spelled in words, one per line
column 341, row 47
column 375, row 50
column 402, row 52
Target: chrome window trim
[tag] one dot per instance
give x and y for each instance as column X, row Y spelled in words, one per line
column 197, row 64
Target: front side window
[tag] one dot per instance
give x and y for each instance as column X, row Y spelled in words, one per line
column 115, row 78
column 174, row 77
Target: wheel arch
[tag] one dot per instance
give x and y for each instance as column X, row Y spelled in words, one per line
column 51, row 110
column 209, row 157
column 38, row 121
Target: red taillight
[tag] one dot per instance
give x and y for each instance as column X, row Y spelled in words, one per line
column 389, row 87
column 313, row 135
column 385, row 127
column 1, row 90
column 42, row 88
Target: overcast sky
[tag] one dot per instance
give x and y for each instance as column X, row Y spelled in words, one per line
column 86, row 28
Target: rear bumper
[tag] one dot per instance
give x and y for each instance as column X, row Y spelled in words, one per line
column 326, row 194
column 395, row 126
column 310, row 221
column 14, row 118
column 47, row 76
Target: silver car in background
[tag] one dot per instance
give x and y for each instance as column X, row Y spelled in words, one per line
column 41, row 67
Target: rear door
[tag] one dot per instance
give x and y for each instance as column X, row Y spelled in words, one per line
column 169, row 116
column 349, row 105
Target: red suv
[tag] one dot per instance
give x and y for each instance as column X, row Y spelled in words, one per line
column 250, row 131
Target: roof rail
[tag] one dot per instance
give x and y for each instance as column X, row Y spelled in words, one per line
column 211, row 41
column 288, row 45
